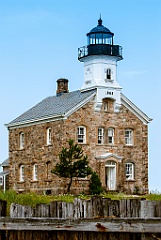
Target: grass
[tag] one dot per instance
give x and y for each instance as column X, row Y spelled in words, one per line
column 31, row 199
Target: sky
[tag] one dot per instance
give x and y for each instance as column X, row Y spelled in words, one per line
column 39, row 42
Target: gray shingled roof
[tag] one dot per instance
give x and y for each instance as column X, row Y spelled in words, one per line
column 53, row 106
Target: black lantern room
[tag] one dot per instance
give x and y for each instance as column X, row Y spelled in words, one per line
column 100, row 42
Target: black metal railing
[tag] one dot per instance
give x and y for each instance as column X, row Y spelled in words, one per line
column 98, row 49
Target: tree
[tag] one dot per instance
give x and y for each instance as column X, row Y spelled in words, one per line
column 95, row 186
column 73, row 163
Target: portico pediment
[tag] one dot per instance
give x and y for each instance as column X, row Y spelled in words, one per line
column 111, row 156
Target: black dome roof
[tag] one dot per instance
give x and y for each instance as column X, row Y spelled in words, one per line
column 100, row 29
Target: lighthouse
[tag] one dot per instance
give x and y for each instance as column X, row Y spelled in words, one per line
column 100, row 58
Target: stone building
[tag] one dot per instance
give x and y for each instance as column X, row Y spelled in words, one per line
column 111, row 129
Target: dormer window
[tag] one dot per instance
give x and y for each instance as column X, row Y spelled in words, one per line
column 108, row 73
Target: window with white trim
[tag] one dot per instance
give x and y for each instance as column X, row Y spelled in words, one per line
column 110, row 135
column 100, row 135
column 22, row 140
column 1, row 180
column 35, row 172
column 129, row 171
column 129, row 137
column 48, row 136
column 81, row 134
column 22, row 168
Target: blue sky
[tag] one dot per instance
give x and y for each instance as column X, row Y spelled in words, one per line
column 39, row 42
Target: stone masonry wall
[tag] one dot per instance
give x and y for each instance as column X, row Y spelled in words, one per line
column 46, row 156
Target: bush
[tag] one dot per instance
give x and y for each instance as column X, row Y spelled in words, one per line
column 95, row 186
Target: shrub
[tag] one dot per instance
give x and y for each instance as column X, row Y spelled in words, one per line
column 95, row 186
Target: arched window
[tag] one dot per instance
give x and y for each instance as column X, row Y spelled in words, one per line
column 81, row 134
column 128, row 136
column 35, row 172
column 22, row 140
column 48, row 136
column 100, row 135
column 108, row 73
column 22, row 168
column 129, row 171
column 110, row 135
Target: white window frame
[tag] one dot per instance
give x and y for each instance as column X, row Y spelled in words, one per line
column 100, row 135
column 129, row 137
column 1, row 180
column 81, row 134
column 22, row 140
column 110, row 135
column 22, row 175
column 35, row 172
column 48, row 136
column 129, row 171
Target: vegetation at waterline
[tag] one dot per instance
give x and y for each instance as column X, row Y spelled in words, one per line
column 31, row 199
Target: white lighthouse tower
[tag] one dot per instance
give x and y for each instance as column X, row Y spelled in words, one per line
column 100, row 58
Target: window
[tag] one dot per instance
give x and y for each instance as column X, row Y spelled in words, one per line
column 35, row 171
column 1, row 180
column 48, row 136
column 22, row 168
column 100, row 135
column 108, row 73
column 105, row 106
column 110, row 136
column 129, row 171
column 48, row 166
column 81, row 134
column 129, row 137
column 22, row 140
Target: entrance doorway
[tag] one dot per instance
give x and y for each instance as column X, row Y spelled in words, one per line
column 110, row 172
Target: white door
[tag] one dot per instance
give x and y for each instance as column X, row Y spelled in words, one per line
column 111, row 175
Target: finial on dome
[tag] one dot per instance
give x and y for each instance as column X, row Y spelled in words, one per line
column 100, row 21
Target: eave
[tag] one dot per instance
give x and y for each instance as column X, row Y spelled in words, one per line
column 135, row 110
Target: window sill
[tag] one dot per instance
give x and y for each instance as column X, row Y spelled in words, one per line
column 48, row 180
column 130, row 180
column 34, row 181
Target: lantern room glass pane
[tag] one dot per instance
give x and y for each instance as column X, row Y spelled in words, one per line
column 91, row 39
column 99, row 38
column 107, row 38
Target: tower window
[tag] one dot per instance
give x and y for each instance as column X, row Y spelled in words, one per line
column 81, row 134
column 108, row 73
